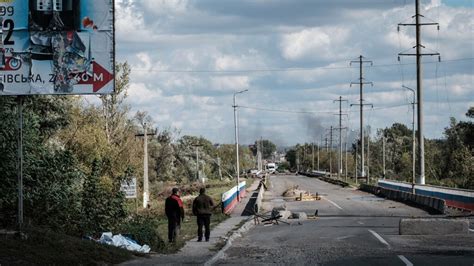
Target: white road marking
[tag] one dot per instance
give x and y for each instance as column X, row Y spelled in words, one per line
column 344, row 237
column 380, row 238
column 359, row 222
column 405, row 260
column 332, row 202
column 472, row 230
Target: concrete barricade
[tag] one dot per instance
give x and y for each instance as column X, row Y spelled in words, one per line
column 436, row 226
column 258, row 202
column 430, row 203
column 229, row 198
column 455, row 198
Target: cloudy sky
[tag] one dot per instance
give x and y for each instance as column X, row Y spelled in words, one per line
column 188, row 57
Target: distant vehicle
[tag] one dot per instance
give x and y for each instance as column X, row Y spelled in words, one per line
column 253, row 171
column 271, row 167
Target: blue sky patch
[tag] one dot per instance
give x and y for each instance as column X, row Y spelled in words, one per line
column 459, row 3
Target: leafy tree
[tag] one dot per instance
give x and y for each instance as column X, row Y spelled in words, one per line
column 458, row 154
column 102, row 205
column 113, row 105
column 50, row 176
column 268, row 148
column 291, row 158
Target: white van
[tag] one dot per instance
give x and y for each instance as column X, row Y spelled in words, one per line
column 271, row 167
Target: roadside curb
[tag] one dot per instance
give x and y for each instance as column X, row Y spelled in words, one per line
column 238, row 233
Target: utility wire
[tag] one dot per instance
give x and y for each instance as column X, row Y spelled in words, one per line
column 315, row 112
column 263, row 70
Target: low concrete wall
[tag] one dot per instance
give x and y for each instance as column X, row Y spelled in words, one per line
column 229, row 198
column 434, row 226
column 430, row 203
column 258, row 202
column 456, row 198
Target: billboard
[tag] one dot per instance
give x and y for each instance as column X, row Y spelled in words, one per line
column 57, row 47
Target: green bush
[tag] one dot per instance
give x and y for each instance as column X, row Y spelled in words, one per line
column 143, row 229
column 103, row 207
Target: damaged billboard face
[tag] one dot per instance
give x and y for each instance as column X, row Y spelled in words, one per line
column 57, row 47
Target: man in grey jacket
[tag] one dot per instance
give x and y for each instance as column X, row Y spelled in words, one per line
column 202, row 208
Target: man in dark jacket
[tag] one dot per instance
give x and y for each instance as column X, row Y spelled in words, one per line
column 175, row 212
column 202, row 208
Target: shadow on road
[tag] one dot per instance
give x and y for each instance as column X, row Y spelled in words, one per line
column 249, row 208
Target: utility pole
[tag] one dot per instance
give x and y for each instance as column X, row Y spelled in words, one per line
column 304, row 157
column 383, row 155
column 339, row 172
column 345, row 146
column 355, row 159
column 146, row 191
column 259, row 155
column 197, row 163
column 419, row 88
column 319, row 147
column 312, row 166
column 368, row 157
column 413, row 152
column 219, row 165
column 361, row 105
column 236, row 126
column 297, row 160
column 197, row 145
column 20, row 163
column 330, row 149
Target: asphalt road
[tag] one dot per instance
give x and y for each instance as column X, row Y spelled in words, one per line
column 353, row 228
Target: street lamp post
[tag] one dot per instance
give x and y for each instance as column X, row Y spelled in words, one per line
column 413, row 103
column 236, row 127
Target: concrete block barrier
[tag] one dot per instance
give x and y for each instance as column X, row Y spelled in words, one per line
column 258, row 202
column 455, row 198
column 430, row 203
column 436, row 226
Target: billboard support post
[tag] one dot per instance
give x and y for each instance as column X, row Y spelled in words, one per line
column 20, row 163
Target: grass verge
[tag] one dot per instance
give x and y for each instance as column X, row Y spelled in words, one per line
column 45, row 247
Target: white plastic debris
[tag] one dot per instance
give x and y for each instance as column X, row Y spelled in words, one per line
column 123, row 242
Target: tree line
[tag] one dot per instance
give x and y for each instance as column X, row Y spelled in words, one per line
column 449, row 160
column 77, row 153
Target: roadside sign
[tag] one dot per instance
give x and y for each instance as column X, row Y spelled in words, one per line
column 129, row 188
column 57, row 47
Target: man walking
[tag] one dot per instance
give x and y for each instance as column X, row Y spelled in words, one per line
column 202, row 209
column 175, row 212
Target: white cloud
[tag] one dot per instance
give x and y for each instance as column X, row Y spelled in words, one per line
column 140, row 94
column 166, row 7
column 174, row 47
column 319, row 42
column 230, row 83
column 226, row 62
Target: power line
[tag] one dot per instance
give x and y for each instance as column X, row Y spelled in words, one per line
column 316, row 112
column 269, row 70
column 285, row 111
